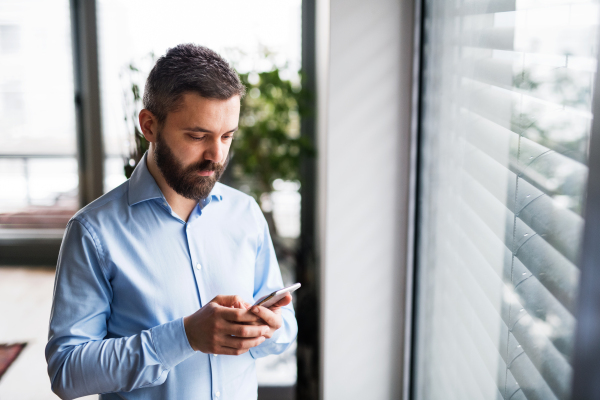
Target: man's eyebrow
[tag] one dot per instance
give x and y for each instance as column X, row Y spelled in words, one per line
column 200, row 129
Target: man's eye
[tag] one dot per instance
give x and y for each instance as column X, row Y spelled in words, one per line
column 227, row 137
column 196, row 138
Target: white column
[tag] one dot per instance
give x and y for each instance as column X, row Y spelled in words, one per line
column 364, row 79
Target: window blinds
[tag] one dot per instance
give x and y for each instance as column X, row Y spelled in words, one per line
column 505, row 125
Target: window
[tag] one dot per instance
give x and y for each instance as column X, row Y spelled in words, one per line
column 38, row 162
column 507, row 93
column 134, row 33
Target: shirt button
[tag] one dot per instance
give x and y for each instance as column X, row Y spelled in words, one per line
column 215, row 355
column 198, row 266
column 218, row 394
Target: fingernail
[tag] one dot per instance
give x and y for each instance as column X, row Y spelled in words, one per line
column 254, row 309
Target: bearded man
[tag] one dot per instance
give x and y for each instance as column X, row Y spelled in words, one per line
column 155, row 279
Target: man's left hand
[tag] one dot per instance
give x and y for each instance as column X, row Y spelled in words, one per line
column 272, row 315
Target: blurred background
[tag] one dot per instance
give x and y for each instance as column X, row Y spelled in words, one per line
column 41, row 68
column 429, row 169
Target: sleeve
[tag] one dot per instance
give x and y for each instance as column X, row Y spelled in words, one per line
column 80, row 360
column 267, row 279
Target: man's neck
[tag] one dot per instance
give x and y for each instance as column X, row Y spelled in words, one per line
column 180, row 205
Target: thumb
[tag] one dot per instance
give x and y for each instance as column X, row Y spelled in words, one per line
column 283, row 302
column 230, row 301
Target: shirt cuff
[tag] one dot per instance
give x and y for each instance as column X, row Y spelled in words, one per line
column 270, row 346
column 171, row 343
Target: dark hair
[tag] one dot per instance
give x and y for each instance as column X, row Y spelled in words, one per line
column 189, row 68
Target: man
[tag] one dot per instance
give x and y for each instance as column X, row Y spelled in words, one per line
column 132, row 316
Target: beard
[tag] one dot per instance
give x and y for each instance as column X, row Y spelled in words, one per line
column 185, row 180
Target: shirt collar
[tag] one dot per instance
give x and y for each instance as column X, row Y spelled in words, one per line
column 142, row 185
column 217, row 192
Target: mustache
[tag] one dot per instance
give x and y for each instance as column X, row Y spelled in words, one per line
column 206, row 165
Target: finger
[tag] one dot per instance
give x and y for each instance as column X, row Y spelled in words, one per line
column 230, row 301
column 230, row 351
column 236, row 315
column 283, row 302
column 245, row 331
column 227, row 351
column 272, row 319
column 241, row 343
column 259, row 322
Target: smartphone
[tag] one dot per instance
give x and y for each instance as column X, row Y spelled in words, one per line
column 273, row 298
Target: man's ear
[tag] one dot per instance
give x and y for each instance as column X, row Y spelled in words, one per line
column 149, row 125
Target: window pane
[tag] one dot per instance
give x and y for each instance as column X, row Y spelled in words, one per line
column 134, row 33
column 505, row 128
column 38, row 164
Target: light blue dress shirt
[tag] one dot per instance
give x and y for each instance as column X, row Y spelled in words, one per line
column 130, row 269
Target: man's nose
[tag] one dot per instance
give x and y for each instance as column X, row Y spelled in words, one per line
column 214, row 151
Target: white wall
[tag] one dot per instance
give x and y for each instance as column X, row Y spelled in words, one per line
column 364, row 67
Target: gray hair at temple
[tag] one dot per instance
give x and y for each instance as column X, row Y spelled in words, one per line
column 189, row 68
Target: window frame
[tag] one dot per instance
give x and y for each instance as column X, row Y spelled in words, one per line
column 409, row 361
column 586, row 362
column 90, row 150
column 42, row 248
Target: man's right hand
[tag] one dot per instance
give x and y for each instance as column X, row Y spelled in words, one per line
column 221, row 327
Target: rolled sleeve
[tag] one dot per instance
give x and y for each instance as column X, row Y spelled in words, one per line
column 282, row 339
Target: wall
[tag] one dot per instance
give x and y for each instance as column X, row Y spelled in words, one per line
column 364, row 77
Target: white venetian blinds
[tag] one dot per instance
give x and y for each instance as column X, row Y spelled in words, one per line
column 507, row 92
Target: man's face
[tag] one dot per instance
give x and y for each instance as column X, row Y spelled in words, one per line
column 192, row 147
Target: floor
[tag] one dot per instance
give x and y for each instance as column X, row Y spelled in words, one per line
column 25, row 301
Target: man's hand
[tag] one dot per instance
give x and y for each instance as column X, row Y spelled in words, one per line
column 272, row 315
column 225, row 326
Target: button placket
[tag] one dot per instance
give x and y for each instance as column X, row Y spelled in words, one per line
column 215, row 368
column 196, row 265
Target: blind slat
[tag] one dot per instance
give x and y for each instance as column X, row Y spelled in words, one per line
column 506, row 122
column 559, row 226
column 529, row 78
column 486, row 105
column 527, row 361
column 535, row 297
column 486, row 6
column 550, row 267
column 489, row 38
column 573, row 40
